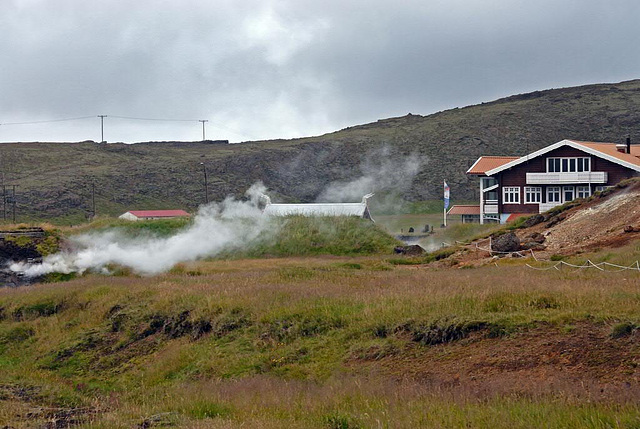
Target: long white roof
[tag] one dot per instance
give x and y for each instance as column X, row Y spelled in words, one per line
column 360, row 209
column 321, row 209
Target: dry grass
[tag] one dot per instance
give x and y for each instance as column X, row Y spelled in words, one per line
column 312, row 342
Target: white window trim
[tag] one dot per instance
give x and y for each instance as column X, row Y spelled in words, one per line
column 532, row 190
column 578, row 191
column 559, row 191
column 511, row 190
column 568, row 188
column 568, row 163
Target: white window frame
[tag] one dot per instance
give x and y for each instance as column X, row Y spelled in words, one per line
column 571, row 189
column 511, row 195
column 532, row 194
column 568, row 161
column 553, row 190
column 583, row 191
column 602, row 188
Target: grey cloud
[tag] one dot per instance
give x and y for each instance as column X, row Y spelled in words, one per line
column 270, row 69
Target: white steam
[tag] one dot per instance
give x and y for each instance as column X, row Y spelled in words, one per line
column 215, row 228
column 379, row 172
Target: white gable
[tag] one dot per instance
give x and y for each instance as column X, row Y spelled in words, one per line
column 570, row 143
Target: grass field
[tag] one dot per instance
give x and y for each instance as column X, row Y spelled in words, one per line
column 325, row 341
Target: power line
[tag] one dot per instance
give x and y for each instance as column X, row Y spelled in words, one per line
column 47, row 121
column 154, row 119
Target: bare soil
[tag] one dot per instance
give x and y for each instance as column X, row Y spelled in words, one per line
column 582, row 362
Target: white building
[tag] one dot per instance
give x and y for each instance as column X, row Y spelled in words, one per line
column 152, row 214
column 360, row 209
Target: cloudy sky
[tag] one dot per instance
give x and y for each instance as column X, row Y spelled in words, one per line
column 280, row 69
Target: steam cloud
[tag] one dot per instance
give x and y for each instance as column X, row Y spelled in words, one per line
column 379, row 173
column 215, row 228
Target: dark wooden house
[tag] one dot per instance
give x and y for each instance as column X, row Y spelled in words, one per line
column 554, row 175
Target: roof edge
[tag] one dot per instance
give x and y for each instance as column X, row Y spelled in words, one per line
column 565, row 142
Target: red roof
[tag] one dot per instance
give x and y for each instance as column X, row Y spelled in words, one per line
column 463, row 209
column 158, row 213
column 486, row 163
column 611, row 150
column 514, row 216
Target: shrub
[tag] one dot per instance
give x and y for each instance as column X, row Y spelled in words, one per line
column 340, row 421
column 623, row 329
column 17, row 334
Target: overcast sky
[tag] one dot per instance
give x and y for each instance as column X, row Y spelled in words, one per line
column 280, row 69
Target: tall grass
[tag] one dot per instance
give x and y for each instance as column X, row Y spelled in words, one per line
column 312, row 342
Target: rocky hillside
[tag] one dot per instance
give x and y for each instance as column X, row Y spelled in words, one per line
column 55, row 179
column 605, row 222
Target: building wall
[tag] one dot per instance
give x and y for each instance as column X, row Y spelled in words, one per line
column 517, row 176
column 128, row 216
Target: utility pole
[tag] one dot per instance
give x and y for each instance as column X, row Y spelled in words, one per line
column 203, row 122
column 93, row 199
column 14, row 204
column 206, row 187
column 102, row 127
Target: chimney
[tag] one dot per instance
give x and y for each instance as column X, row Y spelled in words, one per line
column 629, row 144
column 624, row 148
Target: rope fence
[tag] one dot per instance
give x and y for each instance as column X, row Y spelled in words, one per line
column 601, row 266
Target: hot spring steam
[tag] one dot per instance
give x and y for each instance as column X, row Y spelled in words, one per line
column 215, row 228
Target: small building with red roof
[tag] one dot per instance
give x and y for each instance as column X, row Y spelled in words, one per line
column 153, row 214
column 534, row 183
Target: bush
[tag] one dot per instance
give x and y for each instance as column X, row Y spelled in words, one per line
column 622, row 329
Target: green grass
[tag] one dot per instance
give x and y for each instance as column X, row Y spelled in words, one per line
column 157, row 227
column 314, row 341
column 308, row 236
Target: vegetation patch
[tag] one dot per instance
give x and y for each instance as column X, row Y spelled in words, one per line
column 439, row 332
column 44, row 308
column 623, row 329
column 301, row 236
column 16, row 334
column 337, row 420
column 439, row 254
column 290, row 327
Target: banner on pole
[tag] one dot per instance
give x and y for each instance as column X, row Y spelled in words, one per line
column 446, row 195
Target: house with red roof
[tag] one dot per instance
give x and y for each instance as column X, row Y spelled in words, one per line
column 153, row 214
column 512, row 186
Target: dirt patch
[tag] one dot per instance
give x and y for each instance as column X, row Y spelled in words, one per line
column 580, row 361
column 598, row 223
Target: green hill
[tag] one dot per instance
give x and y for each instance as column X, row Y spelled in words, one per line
column 55, row 179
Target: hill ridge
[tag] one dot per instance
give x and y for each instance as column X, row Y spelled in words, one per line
column 55, row 178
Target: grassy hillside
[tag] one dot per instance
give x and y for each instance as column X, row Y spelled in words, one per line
column 55, row 179
column 324, row 342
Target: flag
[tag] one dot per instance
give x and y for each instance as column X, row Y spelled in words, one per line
column 446, row 195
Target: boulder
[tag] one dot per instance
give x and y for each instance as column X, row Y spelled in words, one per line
column 532, row 245
column 508, row 242
column 409, row 250
column 533, row 220
column 535, row 237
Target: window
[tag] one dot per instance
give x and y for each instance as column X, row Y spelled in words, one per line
column 532, row 195
column 583, row 191
column 511, row 195
column 602, row 188
column 553, row 194
column 568, row 165
column 569, row 193
column 491, row 196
